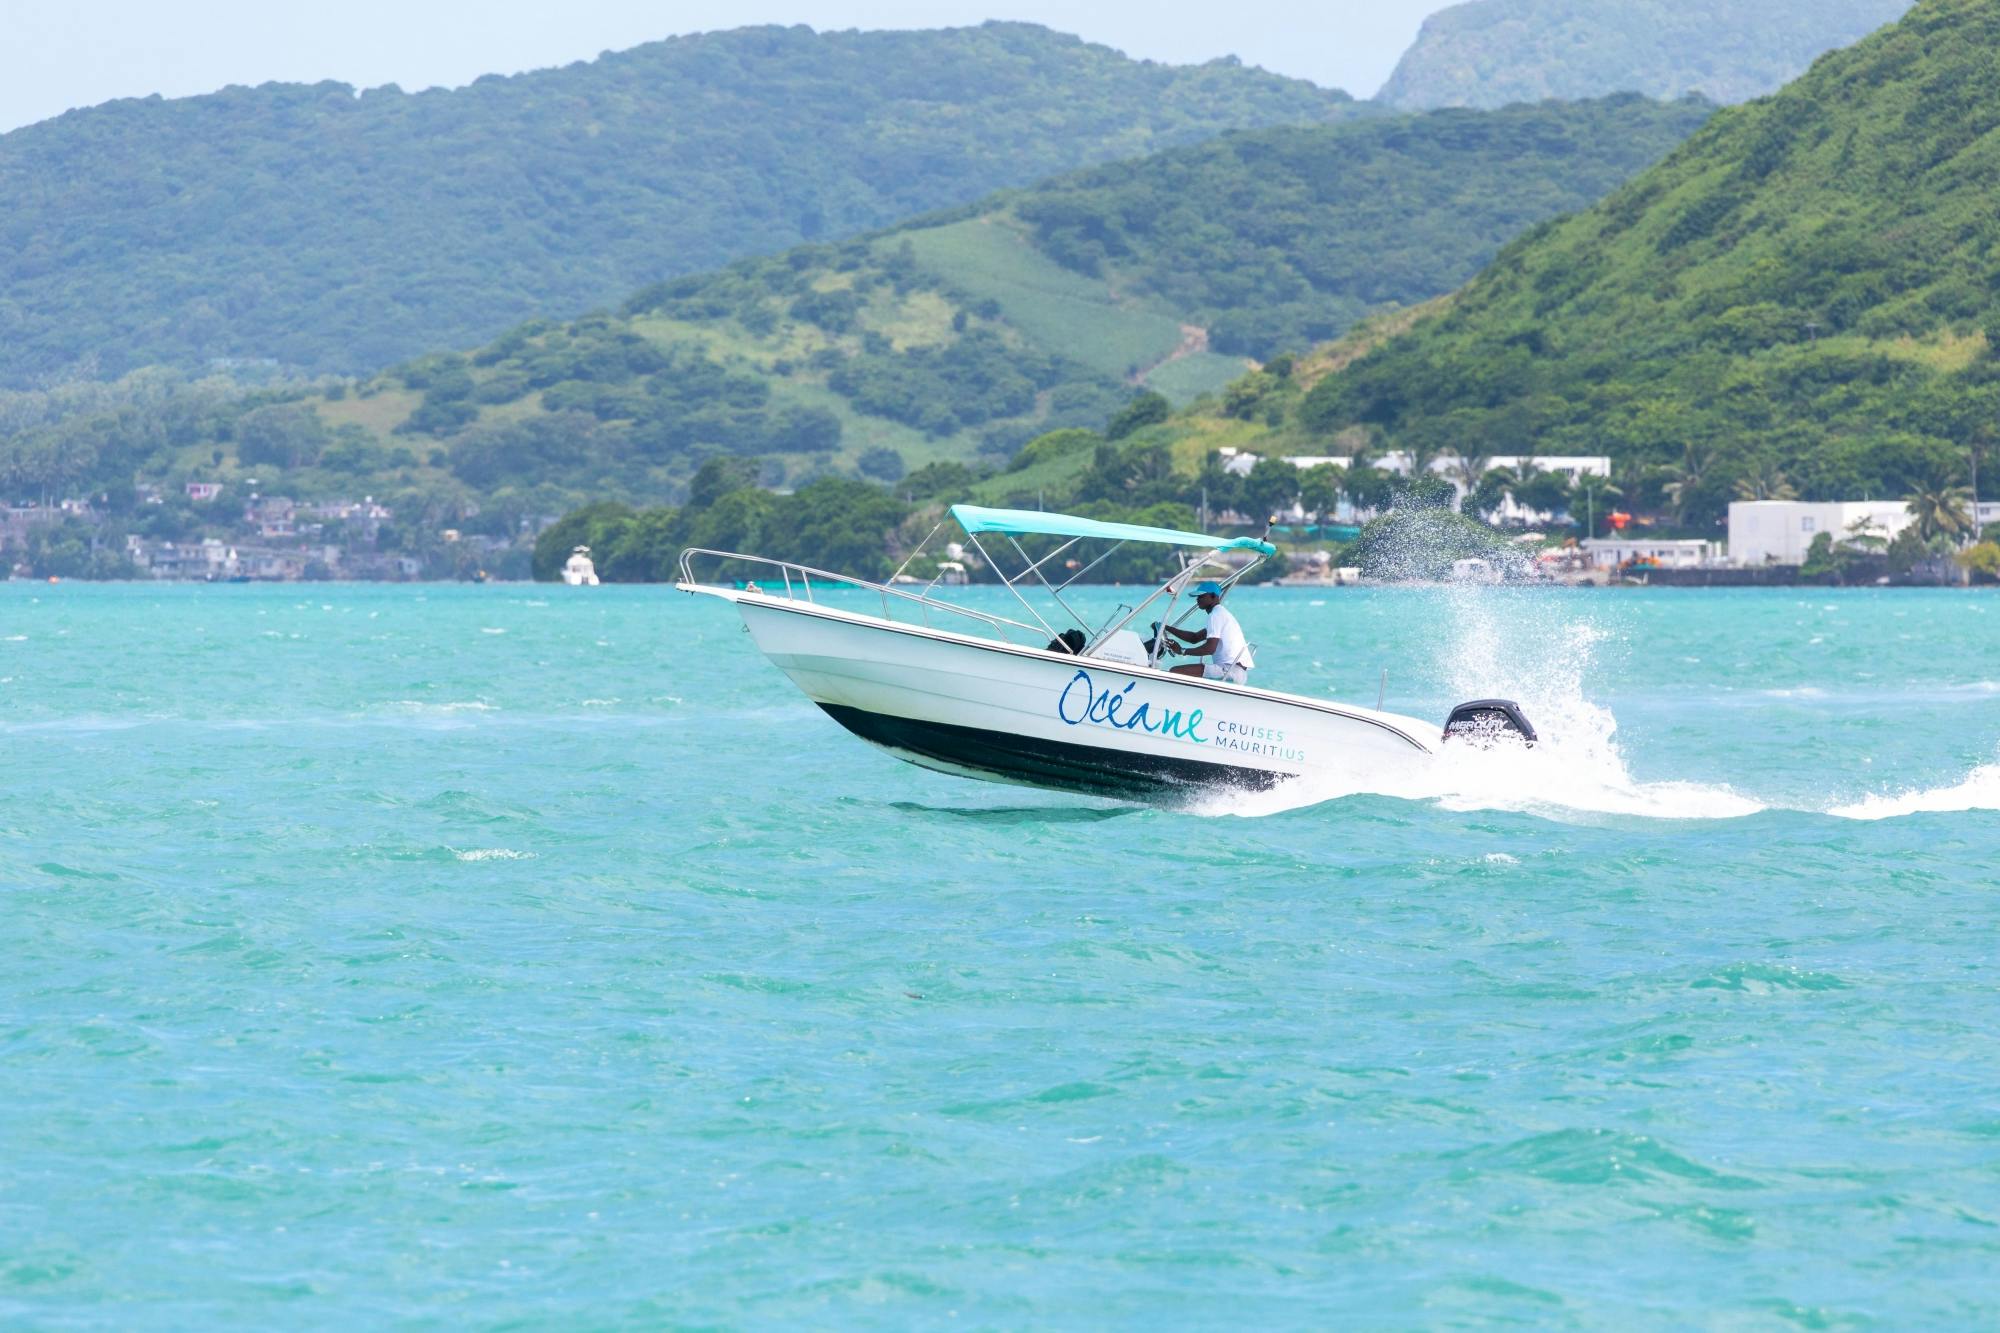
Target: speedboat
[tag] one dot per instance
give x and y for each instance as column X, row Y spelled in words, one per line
column 1045, row 698
column 579, row 571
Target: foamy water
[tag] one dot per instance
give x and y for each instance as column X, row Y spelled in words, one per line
column 1979, row 791
column 1543, row 654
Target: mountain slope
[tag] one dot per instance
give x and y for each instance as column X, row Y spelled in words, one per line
column 957, row 336
column 1810, row 285
column 1495, row 52
column 336, row 231
column 975, row 330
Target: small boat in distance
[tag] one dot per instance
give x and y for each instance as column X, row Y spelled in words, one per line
column 1051, row 700
column 578, row 571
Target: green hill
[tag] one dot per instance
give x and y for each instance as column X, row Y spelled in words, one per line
column 970, row 332
column 1491, row 53
column 949, row 340
column 1809, row 286
column 336, row 231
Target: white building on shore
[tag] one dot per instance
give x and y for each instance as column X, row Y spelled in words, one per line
column 1780, row 532
column 1662, row 552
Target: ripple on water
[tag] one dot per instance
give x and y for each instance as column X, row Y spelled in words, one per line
column 1598, row 1157
column 367, row 968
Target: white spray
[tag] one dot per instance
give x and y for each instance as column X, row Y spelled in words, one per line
column 1539, row 650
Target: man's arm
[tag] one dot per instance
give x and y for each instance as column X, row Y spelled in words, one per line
column 1202, row 649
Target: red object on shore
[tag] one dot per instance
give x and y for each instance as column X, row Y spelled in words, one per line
column 1619, row 519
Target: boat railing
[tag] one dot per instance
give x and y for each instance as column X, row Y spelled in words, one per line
column 798, row 585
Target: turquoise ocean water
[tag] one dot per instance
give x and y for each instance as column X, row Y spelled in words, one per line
column 490, row 955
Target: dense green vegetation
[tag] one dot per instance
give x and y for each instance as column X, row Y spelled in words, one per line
column 331, row 230
column 1151, row 466
column 1281, row 239
column 1804, row 299
column 967, row 334
column 957, row 337
column 1491, row 53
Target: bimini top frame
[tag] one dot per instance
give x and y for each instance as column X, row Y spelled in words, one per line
column 798, row 581
column 1026, row 522
column 1016, row 523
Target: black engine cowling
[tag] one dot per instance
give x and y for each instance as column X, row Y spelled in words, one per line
column 1485, row 722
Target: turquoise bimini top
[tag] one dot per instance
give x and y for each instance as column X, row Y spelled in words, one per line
column 1019, row 522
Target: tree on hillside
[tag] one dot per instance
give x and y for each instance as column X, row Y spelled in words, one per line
column 1489, row 492
column 1319, row 490
column 1685, row 480
column 719, row 476
column 1270, row 489
column 1541, row 492
column 881, row 464
column 1370, row 487
column 1146, row 409
column 1217, row 487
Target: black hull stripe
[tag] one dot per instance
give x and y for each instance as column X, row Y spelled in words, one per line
column 1040, row 763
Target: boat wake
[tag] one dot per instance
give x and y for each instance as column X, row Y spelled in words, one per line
column 1541, row 653
column 1980, row 790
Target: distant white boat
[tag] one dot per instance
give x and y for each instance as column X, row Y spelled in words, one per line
column 578, row 571
column 974, row 694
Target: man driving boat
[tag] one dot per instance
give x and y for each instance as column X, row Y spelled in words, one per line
column 1222, row 642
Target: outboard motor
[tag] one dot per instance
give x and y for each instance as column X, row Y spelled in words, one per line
column 1488, row 722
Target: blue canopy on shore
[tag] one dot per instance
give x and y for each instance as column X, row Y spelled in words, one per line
column 1019, row 522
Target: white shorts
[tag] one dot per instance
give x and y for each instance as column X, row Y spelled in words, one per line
column 1235, row 674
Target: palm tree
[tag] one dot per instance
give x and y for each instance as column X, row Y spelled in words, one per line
column 1489, row 493
column 1687, row 478
column 1421, row 453
column 1766, row 482
column 1464, row 470
column 1941, row 509
column 1467, row 469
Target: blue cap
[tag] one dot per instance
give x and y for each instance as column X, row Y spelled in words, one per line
column 1209, row 587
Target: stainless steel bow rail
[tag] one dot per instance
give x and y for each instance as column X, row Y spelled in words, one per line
column 798, row 585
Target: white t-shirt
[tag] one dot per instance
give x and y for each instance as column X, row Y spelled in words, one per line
column 1231, row 649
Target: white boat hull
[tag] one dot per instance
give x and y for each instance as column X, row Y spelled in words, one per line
column 982, row 709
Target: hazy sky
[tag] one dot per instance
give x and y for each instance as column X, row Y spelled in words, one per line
column 58, row 54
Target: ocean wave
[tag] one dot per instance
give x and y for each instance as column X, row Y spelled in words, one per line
column 1978, row 790
column 421, row 708
column 490, row 854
